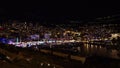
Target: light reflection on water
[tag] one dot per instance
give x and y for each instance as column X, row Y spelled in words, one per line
column 88, row 50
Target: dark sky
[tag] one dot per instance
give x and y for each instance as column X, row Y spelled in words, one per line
column 57, row 10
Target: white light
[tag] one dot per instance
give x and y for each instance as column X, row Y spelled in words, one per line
column 41, row 64
column 114, row 35
column 8, row 57
column 48, row 64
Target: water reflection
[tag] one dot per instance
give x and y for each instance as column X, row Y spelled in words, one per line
column 99, row 50
column 100, row 46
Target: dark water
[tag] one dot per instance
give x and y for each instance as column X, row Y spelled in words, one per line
column 99, row 50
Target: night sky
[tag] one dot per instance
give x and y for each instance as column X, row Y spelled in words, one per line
column 53, row 11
